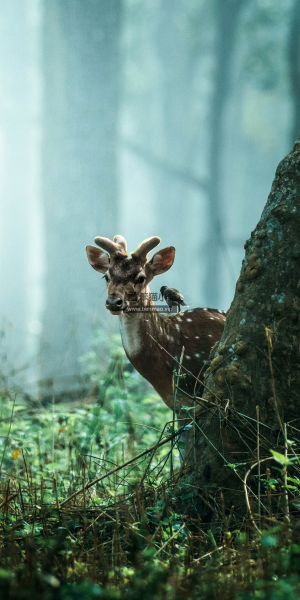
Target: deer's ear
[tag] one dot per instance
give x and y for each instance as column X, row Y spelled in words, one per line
column 98, row 259
column 162, row 261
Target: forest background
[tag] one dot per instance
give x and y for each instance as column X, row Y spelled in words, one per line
column 144, row 118
column 141, row 118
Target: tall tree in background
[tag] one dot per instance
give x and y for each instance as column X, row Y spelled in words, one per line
column 193, row 45
column 19, row 150
column 163, row 46
column 178, row 45
column 181, row 131
column 226, row 23
column 294, row 68
column 81, row 66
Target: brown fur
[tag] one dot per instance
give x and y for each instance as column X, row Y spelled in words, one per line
column 152, row 342
column 159, row 356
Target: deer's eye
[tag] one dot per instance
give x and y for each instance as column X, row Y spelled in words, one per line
column 141, row 279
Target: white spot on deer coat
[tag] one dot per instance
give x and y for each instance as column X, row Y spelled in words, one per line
column 190, row 320
column 197, row 355
column 196, row 337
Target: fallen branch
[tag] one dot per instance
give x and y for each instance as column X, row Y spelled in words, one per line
column 169, row 540
column 103, row 512
column 209, row 554
column 8, row 500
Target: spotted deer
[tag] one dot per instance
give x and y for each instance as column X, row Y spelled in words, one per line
column 153, row 343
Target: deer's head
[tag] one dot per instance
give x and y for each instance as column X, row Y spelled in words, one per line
column 127, row 276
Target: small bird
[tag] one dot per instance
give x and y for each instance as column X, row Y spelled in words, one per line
column 172, row 297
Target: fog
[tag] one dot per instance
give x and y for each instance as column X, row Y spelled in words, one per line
column 140, row 118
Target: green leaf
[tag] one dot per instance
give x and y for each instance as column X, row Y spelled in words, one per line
column 296, row 481
column 283, row 460
column 211, row 537
column 234, row 465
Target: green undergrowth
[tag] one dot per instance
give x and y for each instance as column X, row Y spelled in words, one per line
column 119, row 418
column 129, row 535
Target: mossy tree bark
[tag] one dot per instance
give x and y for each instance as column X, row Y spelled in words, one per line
column 239, row 378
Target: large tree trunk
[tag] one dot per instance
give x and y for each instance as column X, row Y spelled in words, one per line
column 81, row 65
column 240, row 375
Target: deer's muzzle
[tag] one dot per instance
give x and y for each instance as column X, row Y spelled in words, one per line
column 115, row 304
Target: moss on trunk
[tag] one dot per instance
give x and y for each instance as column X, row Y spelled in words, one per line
column 239, row 378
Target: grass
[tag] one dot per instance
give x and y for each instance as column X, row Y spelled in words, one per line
column 130, row 535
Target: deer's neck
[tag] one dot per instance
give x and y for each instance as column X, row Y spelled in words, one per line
column 134, row 327
column 130, row 328
column 143, row 337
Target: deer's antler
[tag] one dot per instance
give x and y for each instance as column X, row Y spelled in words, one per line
column 145, row 247
column 118, row 245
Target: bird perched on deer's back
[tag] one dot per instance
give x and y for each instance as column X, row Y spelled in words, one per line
column 172, row 297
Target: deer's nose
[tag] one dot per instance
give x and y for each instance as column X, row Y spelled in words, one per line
column 114, row 303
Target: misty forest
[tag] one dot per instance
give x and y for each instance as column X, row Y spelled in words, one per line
column 150, row 299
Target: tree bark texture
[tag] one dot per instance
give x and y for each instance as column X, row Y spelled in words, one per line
column 266, row 305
